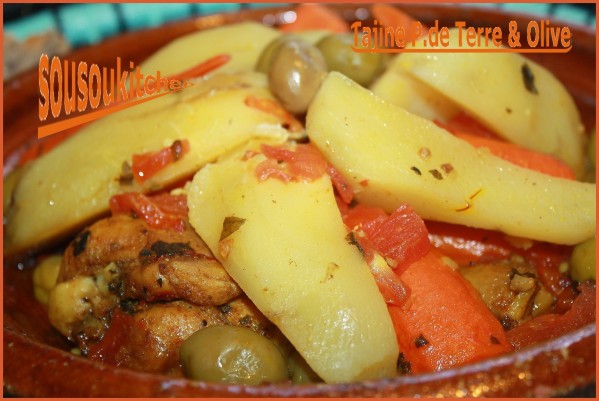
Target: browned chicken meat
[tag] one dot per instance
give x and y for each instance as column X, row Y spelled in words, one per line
column 511, row 290
column 148, row 263
column 129, row 294
column 147, row 337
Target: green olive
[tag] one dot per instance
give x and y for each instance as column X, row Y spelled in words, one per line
column 300, row 371
column 296, row 72
column 265, row 59
column 339, row 55
column 582, row 262
column 231, row 354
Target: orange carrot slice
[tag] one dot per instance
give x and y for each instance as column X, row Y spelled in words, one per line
column 389, row 16
column 444, row 322
column 310, row 16
column 522, row 157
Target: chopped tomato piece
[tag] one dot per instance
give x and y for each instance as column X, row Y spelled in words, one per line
column 345, row 191
column 115, row 338
column 341, row 205
column 171, row 204
column 303, row 163
column 365, row 216
column 269, row 168
column 401, row 238
column 467, row 245
column 272, row 107
column 162, row 211
column 147, row 165
column 554, row 325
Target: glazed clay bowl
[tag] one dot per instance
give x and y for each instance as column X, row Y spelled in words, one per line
column 37, row 361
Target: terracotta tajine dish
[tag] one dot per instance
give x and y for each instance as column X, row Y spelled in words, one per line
column 37, row 358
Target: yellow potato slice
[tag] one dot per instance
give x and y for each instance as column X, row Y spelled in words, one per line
column 243, row 42
column 391, row 156
column 514, row 96
column 285, row 245
column 71, row 185
column 399, row 87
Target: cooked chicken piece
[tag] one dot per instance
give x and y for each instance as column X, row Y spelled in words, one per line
column 149, row 264
column 148, row 339
column 510, row 289
column 242, row 312
column 129, row 295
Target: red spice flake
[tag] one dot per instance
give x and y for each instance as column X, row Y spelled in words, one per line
column 147, row 165
column 364, row 183
column 447, row 168
column 272, row 107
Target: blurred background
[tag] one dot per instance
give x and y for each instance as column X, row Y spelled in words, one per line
column 56, row 29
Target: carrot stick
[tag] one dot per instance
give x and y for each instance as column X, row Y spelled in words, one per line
column 522, row 157
column 310, row 16
column 444, row 323
column 470, row 130
column 389, row 16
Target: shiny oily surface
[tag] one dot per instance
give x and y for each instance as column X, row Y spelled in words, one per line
column 360, row 67
column 37, row 361
column 296, row 71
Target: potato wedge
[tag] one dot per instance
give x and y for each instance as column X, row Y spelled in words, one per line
column 518, row 99
column 399, row 87
column 243, row 42
column 285, row 245
column 72, row 184
column 391, row 156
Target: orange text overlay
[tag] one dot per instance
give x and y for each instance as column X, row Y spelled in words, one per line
column 539, row 37
column 67, row 87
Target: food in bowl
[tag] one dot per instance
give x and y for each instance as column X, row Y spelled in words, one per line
column 366, row 239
